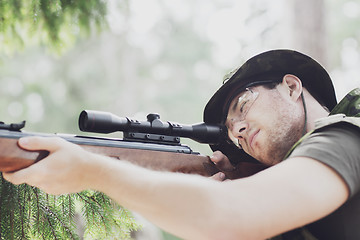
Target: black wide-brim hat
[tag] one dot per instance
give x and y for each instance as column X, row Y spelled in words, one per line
column 260, row 69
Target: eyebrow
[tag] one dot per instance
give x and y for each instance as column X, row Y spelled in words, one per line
column 235, row 105
column 237, row 102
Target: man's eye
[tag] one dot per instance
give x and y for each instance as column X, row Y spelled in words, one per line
column 242, row 106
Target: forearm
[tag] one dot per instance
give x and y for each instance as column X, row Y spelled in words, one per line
column 178, row 203
column 195, row 207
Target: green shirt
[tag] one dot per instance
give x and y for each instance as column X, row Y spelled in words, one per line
column 336, row 143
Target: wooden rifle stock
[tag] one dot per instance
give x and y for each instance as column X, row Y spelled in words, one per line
column 163, row 158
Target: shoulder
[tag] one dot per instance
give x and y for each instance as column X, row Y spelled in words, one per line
column 337, row 119
column 337, row 146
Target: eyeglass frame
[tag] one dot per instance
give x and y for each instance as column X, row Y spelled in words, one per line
column 245, row 99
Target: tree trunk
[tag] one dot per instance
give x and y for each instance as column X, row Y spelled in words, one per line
column 308, row 28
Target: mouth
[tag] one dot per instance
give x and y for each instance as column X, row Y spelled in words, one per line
column 252, row 139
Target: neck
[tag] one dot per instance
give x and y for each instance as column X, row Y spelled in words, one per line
column 314, row 111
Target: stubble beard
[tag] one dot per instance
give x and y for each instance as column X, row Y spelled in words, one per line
column 283, row 136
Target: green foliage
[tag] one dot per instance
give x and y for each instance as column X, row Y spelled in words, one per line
column 28, row 213
column 104, row 219
column 54, row 23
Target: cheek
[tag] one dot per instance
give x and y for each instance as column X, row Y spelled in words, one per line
column 268, row 120
column 272, row 109
column 264, row 115
column 264, row 106
column 262, row 140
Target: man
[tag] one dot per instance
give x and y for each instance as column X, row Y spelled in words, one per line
column 268, row 104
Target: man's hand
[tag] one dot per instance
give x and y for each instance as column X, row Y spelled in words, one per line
column 223, row 164
column 229, row 171
column 60, row 172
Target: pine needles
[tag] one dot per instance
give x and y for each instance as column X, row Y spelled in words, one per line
column 55, row 24
column 28, row 213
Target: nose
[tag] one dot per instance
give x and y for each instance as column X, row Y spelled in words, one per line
column 238, row 129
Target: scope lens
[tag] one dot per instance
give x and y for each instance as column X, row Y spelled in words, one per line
column 83, row 121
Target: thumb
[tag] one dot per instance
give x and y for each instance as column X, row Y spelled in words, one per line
column 220, row 176
column 40, row 143
column 222, row 162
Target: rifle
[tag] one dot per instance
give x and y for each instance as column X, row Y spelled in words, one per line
column 152, row 144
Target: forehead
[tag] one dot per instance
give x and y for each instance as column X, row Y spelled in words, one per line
column 242, row 95
column 238, row 98
column 233, row 101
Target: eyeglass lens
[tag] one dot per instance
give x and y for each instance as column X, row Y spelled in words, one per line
column 238, row 110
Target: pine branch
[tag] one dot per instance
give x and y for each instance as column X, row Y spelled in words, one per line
column 91, row 206
column 22, row 216
column 52, row 228
column 1, row 205
column 28, row 213
column 51, row 23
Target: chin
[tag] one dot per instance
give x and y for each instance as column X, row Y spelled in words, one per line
column 270, row 160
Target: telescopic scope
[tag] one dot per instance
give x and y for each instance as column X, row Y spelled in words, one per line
column 105, row 122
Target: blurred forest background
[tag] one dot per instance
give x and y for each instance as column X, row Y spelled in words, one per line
column 167, row 57
column 161, row 56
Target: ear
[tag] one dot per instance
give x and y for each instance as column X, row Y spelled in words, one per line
column 292, row 84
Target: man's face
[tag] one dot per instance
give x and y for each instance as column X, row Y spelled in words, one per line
column 265, row 123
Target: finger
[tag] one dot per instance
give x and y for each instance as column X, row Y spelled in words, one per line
column 221, row 161
column 215, row 157
column 11, row 178
column 19, row 177
column 220, row 176
column 218, row 157
column 23, row 176
column 40, row 143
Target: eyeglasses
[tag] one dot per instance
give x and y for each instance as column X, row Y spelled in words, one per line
column 238, row 110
